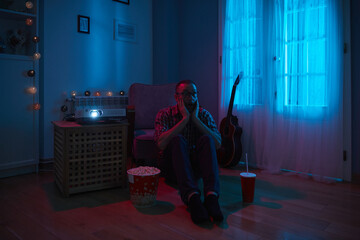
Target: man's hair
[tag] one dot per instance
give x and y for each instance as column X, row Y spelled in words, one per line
column 187, row 81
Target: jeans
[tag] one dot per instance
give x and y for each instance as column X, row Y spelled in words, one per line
column 178, row 165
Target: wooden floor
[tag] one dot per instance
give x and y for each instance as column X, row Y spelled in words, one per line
column 285, row 207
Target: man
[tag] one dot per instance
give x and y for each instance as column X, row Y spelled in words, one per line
column 187, row 137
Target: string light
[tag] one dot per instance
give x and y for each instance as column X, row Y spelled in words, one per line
column 31, row 73
column 31, row 90
column 36, row 39
column 36, row 106
column 109, row 93
column 73, row 93
column 97, row 93
column 87, row 93
column 36, row 56
column 29, row 5
column 122, row 93
column 29, row 21
column 64, row 108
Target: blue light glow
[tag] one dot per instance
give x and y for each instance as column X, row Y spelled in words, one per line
column 95, row 113
column 243, row 52
column 301, row 44
column 304, row 66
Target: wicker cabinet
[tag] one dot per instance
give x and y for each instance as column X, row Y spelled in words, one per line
column 89, row 157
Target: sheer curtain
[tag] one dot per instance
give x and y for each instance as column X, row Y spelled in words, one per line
column 290, row 100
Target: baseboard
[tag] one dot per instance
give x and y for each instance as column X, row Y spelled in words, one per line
column 46, row 164
column 17, row 164
column 10, row 169
column 26, row 167
column 18, row 171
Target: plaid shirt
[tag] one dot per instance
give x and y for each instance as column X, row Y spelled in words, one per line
column 170, row 116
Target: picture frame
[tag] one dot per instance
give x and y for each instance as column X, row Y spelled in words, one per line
column 124, row 31
column 123, row 1
column 83, row 24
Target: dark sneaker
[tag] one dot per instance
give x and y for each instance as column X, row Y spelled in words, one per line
column 212, row 205
column 198, row 212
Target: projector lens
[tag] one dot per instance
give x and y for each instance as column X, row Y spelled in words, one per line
column 95, row 113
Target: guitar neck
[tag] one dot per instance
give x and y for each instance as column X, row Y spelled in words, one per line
column 231, row 103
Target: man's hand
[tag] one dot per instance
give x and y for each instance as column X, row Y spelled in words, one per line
column 183, row 110
column 165, row 137
column 195, row 113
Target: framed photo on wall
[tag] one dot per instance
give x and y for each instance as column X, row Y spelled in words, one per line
column 123, row 1
column 83, row 24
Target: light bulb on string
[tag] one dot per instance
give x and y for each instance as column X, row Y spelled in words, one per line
column 29, row 5
column 31, row 90
column 31, row 73
column 97, row 93
column 73, row 93
column 64, row 108
column 36, row 56
column 36, row 106
column 29, row 21
column 109, row 93
column 36, row 39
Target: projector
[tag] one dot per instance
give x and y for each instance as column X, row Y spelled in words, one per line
column 98, row 115
column 98, row 112
column 99, row 109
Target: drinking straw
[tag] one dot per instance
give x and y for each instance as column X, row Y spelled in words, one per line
column 247, row 170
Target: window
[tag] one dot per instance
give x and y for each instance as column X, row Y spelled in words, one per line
column 303, row 40
column 243, row 49
column 304, row 50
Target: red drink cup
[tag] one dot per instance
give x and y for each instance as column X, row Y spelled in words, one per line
column 248, row 186
column 143, row 183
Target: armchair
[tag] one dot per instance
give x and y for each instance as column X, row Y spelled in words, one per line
column 145, row 101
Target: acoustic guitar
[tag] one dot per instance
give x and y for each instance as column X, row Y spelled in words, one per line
column 229, row 154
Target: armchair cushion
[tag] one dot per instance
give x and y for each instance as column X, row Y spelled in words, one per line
column 144, row 145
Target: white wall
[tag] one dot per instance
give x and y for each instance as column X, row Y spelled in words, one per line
column 95, row 61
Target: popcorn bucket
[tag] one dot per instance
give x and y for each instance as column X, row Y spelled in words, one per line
column 143, row 183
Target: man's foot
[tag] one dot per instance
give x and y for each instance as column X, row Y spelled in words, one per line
column 212, row 205
column 198, row 212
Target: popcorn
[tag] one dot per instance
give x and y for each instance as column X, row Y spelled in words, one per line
column 143, row 171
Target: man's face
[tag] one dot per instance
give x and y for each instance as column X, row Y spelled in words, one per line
column 188, row 93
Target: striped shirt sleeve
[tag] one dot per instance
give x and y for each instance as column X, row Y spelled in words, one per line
column 162, row 121
column 209, row 121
